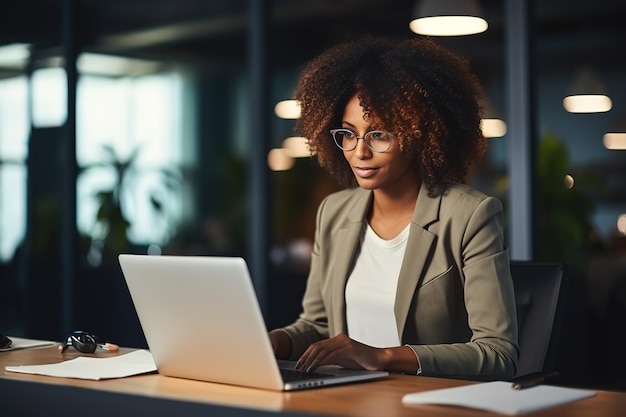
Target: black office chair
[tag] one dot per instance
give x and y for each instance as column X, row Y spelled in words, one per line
column 540, row 289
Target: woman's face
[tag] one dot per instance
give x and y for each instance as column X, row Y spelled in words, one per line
column 386, row 171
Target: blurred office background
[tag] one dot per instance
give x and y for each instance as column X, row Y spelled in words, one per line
column 154, row 126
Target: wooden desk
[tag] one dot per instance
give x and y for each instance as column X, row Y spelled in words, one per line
column 160, row 395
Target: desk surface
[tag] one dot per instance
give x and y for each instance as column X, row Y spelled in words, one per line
column 374, row 398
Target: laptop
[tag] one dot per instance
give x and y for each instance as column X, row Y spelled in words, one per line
column 202, row 321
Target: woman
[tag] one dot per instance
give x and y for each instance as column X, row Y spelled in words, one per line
column 409, row 270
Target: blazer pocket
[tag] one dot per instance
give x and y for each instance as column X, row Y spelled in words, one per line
column 445, row 273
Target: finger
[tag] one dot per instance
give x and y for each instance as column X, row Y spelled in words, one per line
column 308, row 357
column 302, row 360
column 312, row 367
column 322, row 354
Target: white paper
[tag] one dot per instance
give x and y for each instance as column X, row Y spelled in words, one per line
column 134, row 363
column 498, row 396
column 19, row 343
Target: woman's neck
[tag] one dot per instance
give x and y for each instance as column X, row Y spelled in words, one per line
column 391, row 212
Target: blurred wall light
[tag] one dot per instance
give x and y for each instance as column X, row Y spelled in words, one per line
column 615, row 141
column 616, row 138
column 279, row 160
column 287, row 109
column 588, row 94
column 493, row 128
column 297, row 147
column 568, row 181
column 621, row 224
column 49, row 97
column 491, row 124
column 447, row 18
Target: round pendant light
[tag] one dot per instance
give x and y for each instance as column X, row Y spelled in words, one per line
column 448, row 18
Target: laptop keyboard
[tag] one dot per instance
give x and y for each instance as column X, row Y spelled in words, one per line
column 291, row 375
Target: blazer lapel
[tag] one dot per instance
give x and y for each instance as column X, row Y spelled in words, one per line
column 348, row 236
column 416, row 256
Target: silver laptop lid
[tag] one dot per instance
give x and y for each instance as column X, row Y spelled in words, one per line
column 193, row 327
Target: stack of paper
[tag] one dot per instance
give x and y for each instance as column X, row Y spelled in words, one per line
column 499, row 397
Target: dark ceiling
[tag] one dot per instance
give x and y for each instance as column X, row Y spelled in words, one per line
column 215, row 31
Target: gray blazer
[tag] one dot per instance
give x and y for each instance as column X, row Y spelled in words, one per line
column 455, row 304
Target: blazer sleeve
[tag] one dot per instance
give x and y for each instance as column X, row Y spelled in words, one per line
column 312, row 325
column 484, row 269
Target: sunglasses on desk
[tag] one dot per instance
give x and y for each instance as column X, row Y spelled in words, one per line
column 85, row 343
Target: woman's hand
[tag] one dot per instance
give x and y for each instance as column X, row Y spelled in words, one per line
column 343, row 351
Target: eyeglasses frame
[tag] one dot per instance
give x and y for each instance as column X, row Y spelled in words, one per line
column 334, row 131
column 81, row 341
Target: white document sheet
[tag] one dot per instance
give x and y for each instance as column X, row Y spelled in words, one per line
column 499, row 397
column 19, row 343
column 133, row 363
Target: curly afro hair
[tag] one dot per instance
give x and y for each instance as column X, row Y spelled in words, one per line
column 421, row 92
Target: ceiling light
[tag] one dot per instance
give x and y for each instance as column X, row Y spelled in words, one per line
column 621, row 224
column 491, row 124
column 297, row 147
column 287, row 109
column 279, row 160
column 447, row 18
column 587, row 103
column 616, row 138
column 588, row 94
column 614, row 141
column 493, row 128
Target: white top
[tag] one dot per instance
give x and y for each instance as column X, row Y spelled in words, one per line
column 371, row 289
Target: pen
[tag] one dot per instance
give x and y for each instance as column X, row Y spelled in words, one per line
column 533, row 380
column 109, row 346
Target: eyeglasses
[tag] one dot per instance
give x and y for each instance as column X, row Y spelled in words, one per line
column 376, row 140
column 81, row 341
column 85, row 342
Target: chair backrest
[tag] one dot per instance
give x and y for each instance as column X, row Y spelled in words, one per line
column 539, row 297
